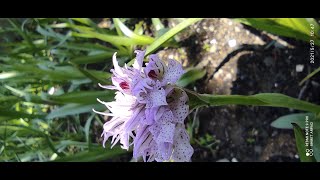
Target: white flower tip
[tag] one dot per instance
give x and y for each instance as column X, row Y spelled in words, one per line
column 100, row 101
column 94, row 110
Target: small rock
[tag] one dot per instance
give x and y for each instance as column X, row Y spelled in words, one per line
column 237, row 29
column 232, row 43
column 299, row 67
column 213, row 41
column 234, row 160
column 213, row 49
column 257, row 149
column 268, row 61
column 211, row 28
column 228, row 76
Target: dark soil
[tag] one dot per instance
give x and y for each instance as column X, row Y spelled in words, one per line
column 243, row 133
column 242, row 60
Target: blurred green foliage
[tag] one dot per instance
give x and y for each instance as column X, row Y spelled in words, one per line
column 305, row 29
column 49, row 71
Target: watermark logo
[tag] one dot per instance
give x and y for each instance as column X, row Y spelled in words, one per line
column 308, row 136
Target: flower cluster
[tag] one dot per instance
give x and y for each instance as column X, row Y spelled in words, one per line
column 148, row 111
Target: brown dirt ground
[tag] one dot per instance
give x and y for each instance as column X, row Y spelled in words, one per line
column 244, row 132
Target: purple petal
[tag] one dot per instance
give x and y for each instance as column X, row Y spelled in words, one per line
column 166, row 132
column 156, row 97
column 135, row 119
column 182, row 149
column 178, row 106
column 142, row 141
column 155, row 68
column 165, row 151
column 150, row 115
column 167, row 116
column 139, row 59
column 105, row 136
column 160, row 112
column 154, row 130
column 117, row 68
column 140, row 84
column 124, row 140
column 174, row 72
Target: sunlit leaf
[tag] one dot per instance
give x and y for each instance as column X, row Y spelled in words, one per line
column 73, row 109
column 191, row 76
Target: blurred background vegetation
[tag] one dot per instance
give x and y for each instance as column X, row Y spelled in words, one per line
column 49, row 75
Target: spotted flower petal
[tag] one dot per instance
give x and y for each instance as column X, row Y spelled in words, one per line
column 174, row 72
column 149, row 111
column 182, row 148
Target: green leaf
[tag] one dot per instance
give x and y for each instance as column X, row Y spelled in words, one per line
column 165, row 37
column 191, row 76
column 83, row 97
column 55, row 73
column 72, row 109
column 195, row 101
column 63, row 143
column 280, row 100
column 27, row 96
column 85, row 21
column 87, row 47
column 298, row 28
column 15, row 114
column 100, row 76
column 175, row 30
column 300, row 143
column 157, row 24
column 284, row 122
column 101, row 57
column 99, row 154
column 7, row 75
column 263, row 99
column 24, row 35
column 4, row 99
column 23, row 128
column 51, row 146
column 50, row 33
column 95, row 76
column 141, row 39
column 115, row 40
column 309, row 76
column 89, row 23
column 87, row 128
